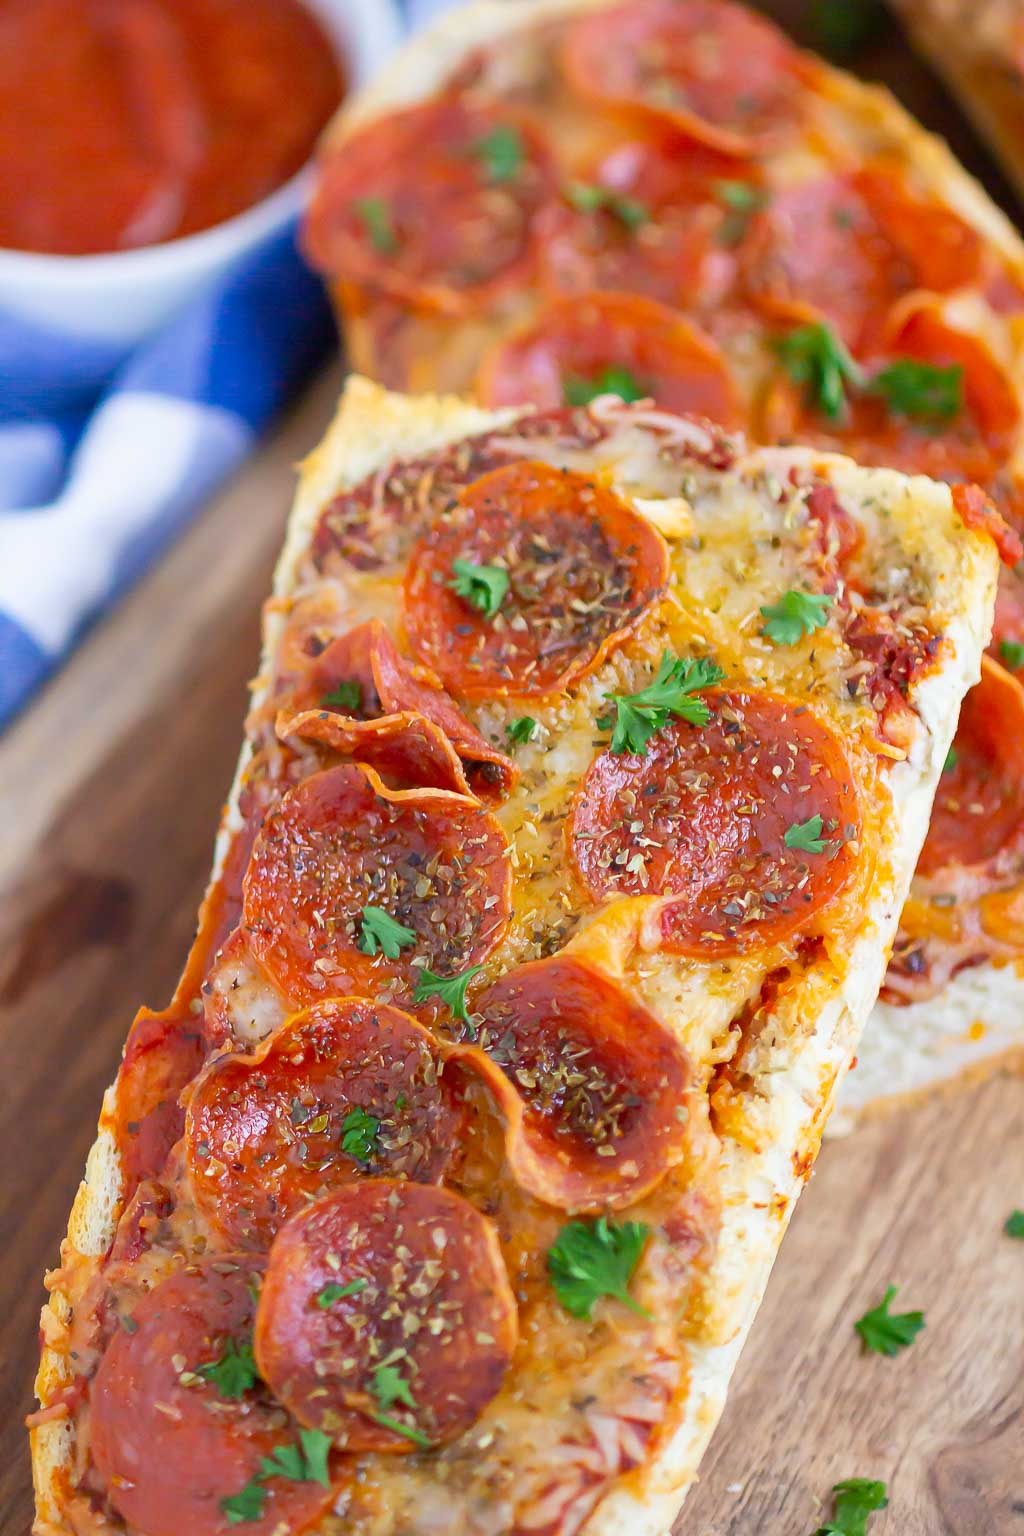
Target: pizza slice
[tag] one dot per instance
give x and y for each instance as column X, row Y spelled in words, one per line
column 977, row 47
column 575, row 815
column 665, row 198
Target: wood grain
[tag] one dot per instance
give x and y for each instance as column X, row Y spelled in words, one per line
column 110, row 788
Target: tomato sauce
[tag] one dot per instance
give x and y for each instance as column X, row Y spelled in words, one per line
column 125, row 123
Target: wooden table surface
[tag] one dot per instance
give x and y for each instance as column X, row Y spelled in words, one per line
column 110, row 787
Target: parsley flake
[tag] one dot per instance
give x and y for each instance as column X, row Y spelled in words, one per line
column 814, row 356
column 591, row 197
column 577, row 390
column 234, row 1371
column 590, row 1259
column 805, row 836
column 359, row 1134
column 484, row 586
column 245, row 1505
column 795, row 615
column 451, row 990
column 741, row 201
column 952, row 758
column 840, row 27
column 375, row 216
column 522, row 729
column 302, row 1463
column 886, row 1333
column 856, row 1499
column 639, row 715
column 389, row 1386
column 379, row 931
column 1014, row 1226
column 415, row 1435
column 501, row 153
column 918, row 390
column 334, row 1292
column 346, row 695
column 1011, row 653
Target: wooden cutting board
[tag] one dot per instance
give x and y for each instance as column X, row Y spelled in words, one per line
column 110, row 788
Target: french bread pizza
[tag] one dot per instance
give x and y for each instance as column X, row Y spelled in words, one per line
column 577, row 808
column 665, row 197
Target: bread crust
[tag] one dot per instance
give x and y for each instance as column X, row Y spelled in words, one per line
column 372, row 427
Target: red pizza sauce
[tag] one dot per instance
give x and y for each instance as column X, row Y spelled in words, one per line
column 129, row 122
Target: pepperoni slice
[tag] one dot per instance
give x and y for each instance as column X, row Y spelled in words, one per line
column 979, row 804
column 344, row 1088
column 703, row 818
column 590, row 1084
column 361, row 674
column 333, row 847
column 715, row 70
column 969, row 446
column 420, row 1328
column 373, row 525
column 604, row 342
column 582, row 569
column 169, row 1444
column 434, row 206
column 396, row 751
column 647, row 219
column 845, row 248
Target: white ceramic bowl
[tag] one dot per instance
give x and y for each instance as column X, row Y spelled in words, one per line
column 114, row 300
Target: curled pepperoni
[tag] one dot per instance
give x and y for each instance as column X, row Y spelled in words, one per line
column 844, row 248
column 590, row 1084
column 647, row 219
column 713, row 69
column 420, row 1323
column 395, row 751
column 169, row 1444
column 979, row 805
column 361, row 674
column 703, row 818
column 434, row 206
column 604, row 342
column 431, row 863
column 970, row 445
column 344, row 1088
column 582, row 569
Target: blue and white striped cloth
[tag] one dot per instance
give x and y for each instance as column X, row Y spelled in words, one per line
column 96, row 481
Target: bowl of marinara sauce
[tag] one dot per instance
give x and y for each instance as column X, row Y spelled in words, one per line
column 145, row 144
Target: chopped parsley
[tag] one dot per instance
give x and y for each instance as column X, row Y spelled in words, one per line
column 577, row 390
column 806, row 836
column 856, row 1499
column 886, row 1333
column 450, row 989
column 375, row 216
column 334, row 1292
column 302, row 1463
column 245, row 1505
column 918, row 390
column 814, row 356
column 390, row 1386
column 501, row 153
column 952, row 758
column 590, row 1259
column 359, row 1134
column 379, row 931
column 741, row 201
column 484, row 586
column 591, row 197
column 1011, row 653
column 346, row 695
column 522, row 729
column 795, row 615
column 234, row 1371
column 639, row 715
column 1014, row 1224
